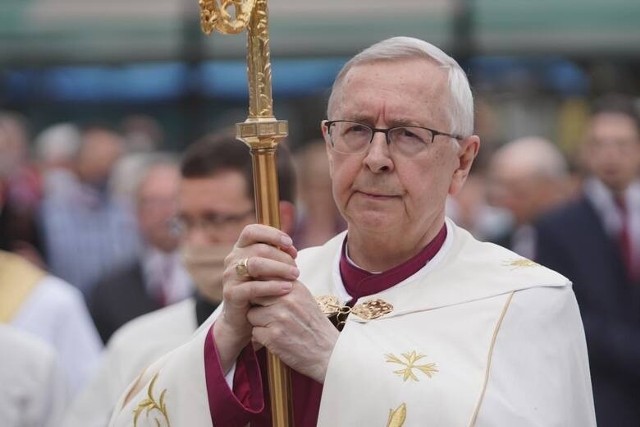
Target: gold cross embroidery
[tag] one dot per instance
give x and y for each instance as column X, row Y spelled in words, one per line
column 410, row 363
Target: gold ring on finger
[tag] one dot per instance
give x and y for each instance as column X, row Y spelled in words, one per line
column 242, row 268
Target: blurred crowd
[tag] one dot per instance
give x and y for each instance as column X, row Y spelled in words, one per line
column 101, row 227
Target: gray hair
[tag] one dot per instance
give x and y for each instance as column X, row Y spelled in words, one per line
column 130, row 172
column 537, row 155
column 59, row 142
column 461, row 106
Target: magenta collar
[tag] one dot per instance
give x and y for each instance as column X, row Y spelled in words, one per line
column 360, row 283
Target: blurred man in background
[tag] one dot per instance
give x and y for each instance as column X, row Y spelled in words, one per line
column 595, row 241
column 56, row 148
column 526, row 177
column 87, row 232
column 156, row 277
column 215, row 203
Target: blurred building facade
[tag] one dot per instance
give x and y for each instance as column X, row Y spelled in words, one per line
column 533, row 64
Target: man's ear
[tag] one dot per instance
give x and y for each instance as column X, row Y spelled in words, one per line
column 287, row 217
column 466, row 154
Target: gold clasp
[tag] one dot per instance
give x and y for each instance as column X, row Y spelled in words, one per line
column 337, row 313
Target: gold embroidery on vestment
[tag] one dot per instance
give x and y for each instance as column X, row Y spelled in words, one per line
column 520, row 263
column 429, row 369
column 150, row 404
column 490, row 358
column 397, row 416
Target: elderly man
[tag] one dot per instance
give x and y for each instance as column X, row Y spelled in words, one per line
column 441, row 329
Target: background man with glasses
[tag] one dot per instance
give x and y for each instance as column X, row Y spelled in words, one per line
column 214, row 203
column 433, row 327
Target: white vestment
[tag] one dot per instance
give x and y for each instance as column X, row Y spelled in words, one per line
column 56, row 312
column 132, row 348
column 478, row 337
column 32, row 388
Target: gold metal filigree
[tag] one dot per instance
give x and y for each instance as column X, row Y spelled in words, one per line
column 233, row 17
column 372, row 309
column 335, row 312
column 151, row 404
column 410, row 363
column 397, row 416
column 338, row 313
column 214, row 16
column 329, row 304
column 520, row 263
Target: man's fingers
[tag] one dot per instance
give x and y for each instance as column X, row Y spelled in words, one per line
column 245, row 293
column 259, row 233
column 263, row 268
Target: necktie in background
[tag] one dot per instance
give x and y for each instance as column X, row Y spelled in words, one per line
column 624, row 240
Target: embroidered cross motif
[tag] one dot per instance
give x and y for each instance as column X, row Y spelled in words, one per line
column 410, row 363
column 149, row 404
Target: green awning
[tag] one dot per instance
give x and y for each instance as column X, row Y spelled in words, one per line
column 89, row 31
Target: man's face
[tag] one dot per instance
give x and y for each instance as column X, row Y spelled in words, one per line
column 397, row 195
column 612, row 150
column 215, row 209
column 157, row 199
column 99, row 152
column 513, row 186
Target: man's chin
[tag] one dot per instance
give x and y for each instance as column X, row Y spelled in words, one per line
column 373, row 222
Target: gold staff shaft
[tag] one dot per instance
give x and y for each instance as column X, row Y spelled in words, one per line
column 262, row 133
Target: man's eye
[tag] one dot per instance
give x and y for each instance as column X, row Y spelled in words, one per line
column 211, row 220
column 357, row 128
column 408, row 133
column 411, row 135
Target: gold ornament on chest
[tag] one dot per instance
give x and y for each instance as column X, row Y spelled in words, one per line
column 337, row 313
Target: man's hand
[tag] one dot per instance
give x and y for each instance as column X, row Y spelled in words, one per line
column 271, row 271
column 292, row 327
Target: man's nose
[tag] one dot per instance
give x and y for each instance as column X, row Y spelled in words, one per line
column 378, row 157
column 198, row 236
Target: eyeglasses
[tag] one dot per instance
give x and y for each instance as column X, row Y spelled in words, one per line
column 210, row 223
column 350, row 137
